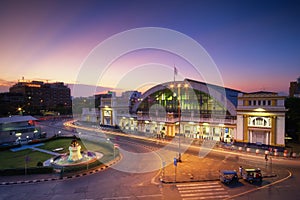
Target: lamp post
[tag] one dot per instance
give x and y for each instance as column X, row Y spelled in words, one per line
column 20, row 111
column 179, row 116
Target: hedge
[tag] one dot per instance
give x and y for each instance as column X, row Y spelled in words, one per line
column 30, row 170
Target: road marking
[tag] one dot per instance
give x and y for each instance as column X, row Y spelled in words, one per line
column 133, row 197
column 203, row 194
column 209, row 197
column 196, row 184
column 199, row 187
column 205, row 190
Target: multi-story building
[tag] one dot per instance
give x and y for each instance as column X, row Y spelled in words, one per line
column 294, row 90
column 10, row 103
column 40, row 96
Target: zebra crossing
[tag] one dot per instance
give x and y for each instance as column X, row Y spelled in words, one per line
column 203, row 190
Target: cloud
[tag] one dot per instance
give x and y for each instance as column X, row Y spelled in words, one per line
column 5, row 85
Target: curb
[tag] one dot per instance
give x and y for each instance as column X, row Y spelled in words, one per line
column 103, row 167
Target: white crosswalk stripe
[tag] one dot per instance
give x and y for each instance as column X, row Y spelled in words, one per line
column 204, row 190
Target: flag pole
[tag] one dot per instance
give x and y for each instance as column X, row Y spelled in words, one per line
column 178, row 110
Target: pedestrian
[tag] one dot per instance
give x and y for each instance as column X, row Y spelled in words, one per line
column 241, row 171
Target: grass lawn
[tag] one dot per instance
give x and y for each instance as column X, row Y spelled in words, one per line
column 9, row 159
column 60, row 143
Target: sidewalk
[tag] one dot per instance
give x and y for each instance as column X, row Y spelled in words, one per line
column 196, row 169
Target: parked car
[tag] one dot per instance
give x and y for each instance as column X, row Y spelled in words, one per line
column 21, row 141
column 228, row 176
column 252, row 175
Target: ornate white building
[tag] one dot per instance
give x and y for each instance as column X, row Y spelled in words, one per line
column 261, row 118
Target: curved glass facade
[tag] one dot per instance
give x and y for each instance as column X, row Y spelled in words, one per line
column 184, row 100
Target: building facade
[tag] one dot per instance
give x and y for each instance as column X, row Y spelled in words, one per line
column 10, row 103
column 199, row 110
column 119, row 110
column 42, row 97
column 294, row 89
column 261, row 118
column 17, row 128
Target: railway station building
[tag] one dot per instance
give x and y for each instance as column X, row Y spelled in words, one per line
column 199, row 110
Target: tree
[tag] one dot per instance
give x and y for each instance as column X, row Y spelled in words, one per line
column 292, row 104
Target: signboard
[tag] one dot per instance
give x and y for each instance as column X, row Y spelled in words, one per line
column 175, row 162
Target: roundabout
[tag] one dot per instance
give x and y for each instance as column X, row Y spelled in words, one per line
column 75, row 157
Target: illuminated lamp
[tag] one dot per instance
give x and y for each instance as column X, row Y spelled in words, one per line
column 259, row 110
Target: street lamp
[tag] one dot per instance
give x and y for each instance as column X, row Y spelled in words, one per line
column 20, row 111
column 179, row 116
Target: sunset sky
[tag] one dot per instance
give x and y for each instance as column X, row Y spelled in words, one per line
column 254, row 44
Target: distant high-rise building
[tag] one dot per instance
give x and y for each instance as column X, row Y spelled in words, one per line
column 11, row 103
column 294, row 90
column 40, row 96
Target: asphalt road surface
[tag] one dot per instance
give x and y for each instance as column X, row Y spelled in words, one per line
column 127, row 180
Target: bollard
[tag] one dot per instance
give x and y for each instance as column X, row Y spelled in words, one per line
column 267, row 152
column 275, row 153
column 294, row 155
column 248, row 149
column 240, row 148
column 257, row 151
column 285, row 153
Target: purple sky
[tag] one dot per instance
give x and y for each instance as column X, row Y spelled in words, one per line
column 255, row 44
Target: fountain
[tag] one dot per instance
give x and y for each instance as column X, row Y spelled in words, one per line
column 75, row 153
column 75, row 157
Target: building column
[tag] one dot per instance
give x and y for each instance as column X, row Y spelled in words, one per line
column 245, row 124
column 273, row 130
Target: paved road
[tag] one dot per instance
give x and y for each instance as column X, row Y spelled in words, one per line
column 117, row 184
column 109, row 184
